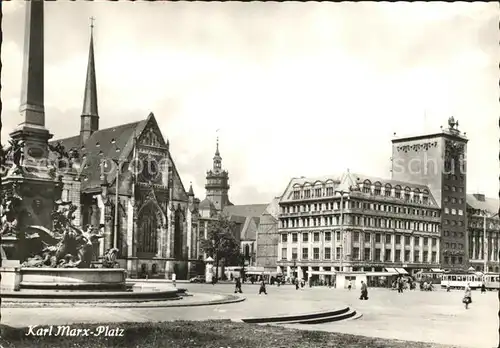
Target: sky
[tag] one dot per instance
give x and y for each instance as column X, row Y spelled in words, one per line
column 295, row 89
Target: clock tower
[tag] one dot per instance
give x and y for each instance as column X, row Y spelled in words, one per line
column 217, row 186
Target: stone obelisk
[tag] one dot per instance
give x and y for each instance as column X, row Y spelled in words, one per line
column 32, row 128
column 31, row 181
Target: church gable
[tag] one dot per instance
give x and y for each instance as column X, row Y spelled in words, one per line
column 151, row 134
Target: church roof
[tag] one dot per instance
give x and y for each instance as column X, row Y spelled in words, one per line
column 111, row 143
column 247, row 210
column 206, row 204
column 247, row 217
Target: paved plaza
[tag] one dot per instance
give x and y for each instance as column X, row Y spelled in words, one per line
column 418, row 316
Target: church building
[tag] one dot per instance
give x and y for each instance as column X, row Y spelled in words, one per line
column 129, row 185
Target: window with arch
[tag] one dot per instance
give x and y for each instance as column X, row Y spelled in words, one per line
column 416, row 195
column 377, row 189
column 148, row 229
column 397, row 191
column 407, row 193
column 367, row 186
column 388, row 189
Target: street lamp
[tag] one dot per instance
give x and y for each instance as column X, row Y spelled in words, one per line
column 342, row 192
column 485, row 240
column 117, row 202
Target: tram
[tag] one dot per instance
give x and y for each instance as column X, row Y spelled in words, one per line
column 458, row 280
column 429, row 276
column 492, row 281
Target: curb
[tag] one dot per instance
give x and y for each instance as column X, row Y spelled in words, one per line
column 167, row 303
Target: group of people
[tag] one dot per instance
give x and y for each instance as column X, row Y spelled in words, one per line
column 237, row 286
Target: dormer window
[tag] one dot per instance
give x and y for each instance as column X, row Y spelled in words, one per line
column 113, row 141
column 97, row 144
column 101, row 153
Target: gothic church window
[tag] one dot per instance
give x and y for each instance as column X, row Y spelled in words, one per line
column 148, row 230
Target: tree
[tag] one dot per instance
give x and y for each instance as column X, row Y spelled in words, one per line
column 220, row 243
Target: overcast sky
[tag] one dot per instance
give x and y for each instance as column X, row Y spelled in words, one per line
column 296, row 89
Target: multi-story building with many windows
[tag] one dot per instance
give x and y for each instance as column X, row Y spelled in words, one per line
column 356, row 223
column 483, row 233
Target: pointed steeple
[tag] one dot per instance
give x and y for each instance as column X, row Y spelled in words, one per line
column 217, row 153
column 217, row 158
column 191, row 192
column 90, row 114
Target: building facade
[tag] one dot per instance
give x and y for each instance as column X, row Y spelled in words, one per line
column 483, row 233
column 354, row 222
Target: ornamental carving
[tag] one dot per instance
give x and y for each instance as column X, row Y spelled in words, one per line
column 152, row 168
column 454, row 155
column 417, row 147
column 150, row 138
column 454, row 149
column 150, row 196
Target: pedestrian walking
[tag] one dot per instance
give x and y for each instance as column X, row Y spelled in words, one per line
column 349, row 286
column 467, row 296
column 364, row 291
column 237, row 286
column 400, row 285
column 448, row 286
column 262, row 288
column 174, row 278
column 483, row 288
column 296, row 283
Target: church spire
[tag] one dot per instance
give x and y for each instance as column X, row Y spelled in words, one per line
column 217, row 158
column 90, row 114
column 217, row 153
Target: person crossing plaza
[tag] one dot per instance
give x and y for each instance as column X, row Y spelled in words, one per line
column 262, row 288
column 364, row 291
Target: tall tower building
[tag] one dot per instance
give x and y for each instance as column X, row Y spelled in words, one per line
column 217, row 186
column 439, row 161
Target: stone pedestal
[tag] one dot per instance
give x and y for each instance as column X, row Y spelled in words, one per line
column 38, row 192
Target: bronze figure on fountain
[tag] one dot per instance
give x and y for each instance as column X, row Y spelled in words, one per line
column 66, row 245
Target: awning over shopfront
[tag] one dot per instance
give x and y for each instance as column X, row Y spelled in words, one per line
column 391, row 270
column 437, row 270
column 380, row 274
column 321, row 272
column 401, row 271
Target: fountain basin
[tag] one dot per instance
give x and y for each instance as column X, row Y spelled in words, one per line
column 63, row 279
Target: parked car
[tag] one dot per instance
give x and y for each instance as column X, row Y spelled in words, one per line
column 197, row 279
